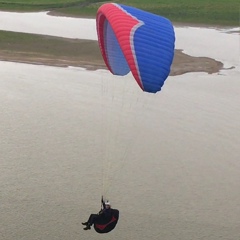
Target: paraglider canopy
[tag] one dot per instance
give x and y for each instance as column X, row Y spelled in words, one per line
column 133, row 40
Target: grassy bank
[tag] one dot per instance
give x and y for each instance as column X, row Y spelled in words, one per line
column 220, row 12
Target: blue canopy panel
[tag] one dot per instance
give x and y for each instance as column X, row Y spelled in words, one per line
column 114, row 53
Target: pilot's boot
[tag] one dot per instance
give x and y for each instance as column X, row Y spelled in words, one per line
column 85, row 223
column 88, row 227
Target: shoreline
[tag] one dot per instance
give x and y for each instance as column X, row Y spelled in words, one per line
column 176, row 24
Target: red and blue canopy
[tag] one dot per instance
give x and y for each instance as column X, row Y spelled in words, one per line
column 133, row 40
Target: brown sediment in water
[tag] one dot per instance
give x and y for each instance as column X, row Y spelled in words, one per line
column 184, row 63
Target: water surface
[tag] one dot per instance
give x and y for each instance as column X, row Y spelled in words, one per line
column 169, row 161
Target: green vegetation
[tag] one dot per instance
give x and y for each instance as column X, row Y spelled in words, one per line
column 45, row 44
column 217, row 12
column 35, row 5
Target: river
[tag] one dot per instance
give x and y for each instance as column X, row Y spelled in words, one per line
column 169, row 162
